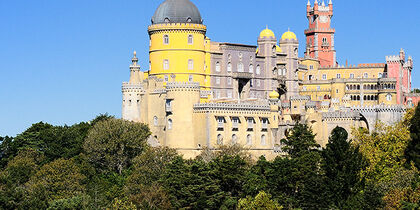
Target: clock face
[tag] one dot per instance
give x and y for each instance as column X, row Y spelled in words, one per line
column 323, row 19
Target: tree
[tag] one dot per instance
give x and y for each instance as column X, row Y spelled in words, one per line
column 342, row 164
column 112, row 144
column 300, row 141
column 59, row 179
column 7, row 150
column 15, row 175
column 260, row 202
column 412, row 153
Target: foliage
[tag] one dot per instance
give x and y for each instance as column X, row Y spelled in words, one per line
column 261, row 201
column 59, row 179
column 76, row 202
column 300, row 141
column 412, row 153
column 7, row 150
column 208, row 154
column 112, row 144
column 122, row 204
column 342, row 164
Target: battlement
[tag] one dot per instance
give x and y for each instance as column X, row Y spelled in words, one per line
column 310, row 104
column 183, row 85
column 325, row 30
column 177, row 26
column 393, row 58
column 231, row 106
column 353, row 115
column 205, row 93
column 359, row 66
column 126, row 87
column 300, row 98
column 379, row 108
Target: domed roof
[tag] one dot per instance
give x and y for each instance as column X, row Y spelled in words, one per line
column 177, row 11
column 289, row 35
column 274, row 95
column 267, row 33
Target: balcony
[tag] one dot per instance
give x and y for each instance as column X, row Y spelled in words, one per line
column 242, row 75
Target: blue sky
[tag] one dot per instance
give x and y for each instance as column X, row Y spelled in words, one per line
column 63, row 61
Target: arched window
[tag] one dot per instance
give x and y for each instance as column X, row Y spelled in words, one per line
column 389, row 97
column 229, row 67
column 258, row 70
column 240, row 67
column 364, row 98
column 190, row 78
column 358, row 98
column 263, row 140
column 189, row 20
column 249, row 139
column 376, row 97
column 251, row 68
column 284, row 72
column 358, row 87
column 165, row 64
column 220, row 139
column 167, row 20
column 155, row 120
column 165, row 39
column 234, row 139
column 190, row 39
column 365, row 75
column 274, row 49
column 217, row 66
column 169, row 124
column 364, row 87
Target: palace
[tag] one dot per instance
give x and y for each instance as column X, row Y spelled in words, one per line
column 199, row 93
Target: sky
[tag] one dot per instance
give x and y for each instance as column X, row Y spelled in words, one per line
column 63, row 61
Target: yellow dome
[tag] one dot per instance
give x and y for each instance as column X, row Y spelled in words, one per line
column 267, row 33
column 274, row 95
column 278, row 49
column 289, row 35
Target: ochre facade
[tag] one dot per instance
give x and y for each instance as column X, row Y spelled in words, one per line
column 198, row 93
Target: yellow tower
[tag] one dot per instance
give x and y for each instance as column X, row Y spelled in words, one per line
column 178, row 44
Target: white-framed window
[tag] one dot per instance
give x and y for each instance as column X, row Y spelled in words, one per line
column 284, row 72
column 166, row 78
column 190, row 64
column 249, row 139
column 365, row 75
column 169, row 124
column 263, row 140
column 217, row 66
column 217, row 80
column 274, row 49
column 338, row 76
column 217, row 93
column 324, row 77
column 379, row 75
column 389, row 97
column 311, row 67
column 258, row 83
column 165, row 64
column 258, row 70
column 240, row 67
column 251, row 68
column 190, row 78
column 229, row 67
column 155, row 120
column 165, row 39
column 351, row 76
column 229, row 80
column 229, row 93
column 190, row 39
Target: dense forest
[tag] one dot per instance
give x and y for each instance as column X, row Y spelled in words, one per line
column 107, row 164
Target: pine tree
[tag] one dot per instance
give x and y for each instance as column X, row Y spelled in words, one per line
column 300, row 141
column 342, row 164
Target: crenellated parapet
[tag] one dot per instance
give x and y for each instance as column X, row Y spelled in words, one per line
column 339, row 115
column 393, row 58
column 231, row 107
column 310, row 104
column 379, row 108
column 186, row 86
column 300, row 98
column 156, row 28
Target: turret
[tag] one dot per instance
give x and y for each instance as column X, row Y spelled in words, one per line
column 308, row 8
column 402, row 55
column 132, row 93
column 330, row 5
column 135, row 75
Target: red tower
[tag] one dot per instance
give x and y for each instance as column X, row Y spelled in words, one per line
column 320, row 35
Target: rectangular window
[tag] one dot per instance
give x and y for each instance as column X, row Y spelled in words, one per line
column 229, row 94
column 165, row 64
column 229, row 81
column 190, row 39
column 311, row 67
column 190, row 78
column 166, row 78
column 338, row 76
column 336, row 91
column 165, row 39
column 351, row 76
column 258, row 83
column 190, row 64
column 217, row 81
column 324, row 77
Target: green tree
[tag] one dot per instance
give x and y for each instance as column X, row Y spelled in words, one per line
column 112, row 144
column 7, row 150
column 59, row 179
column 412, row 153
column 342, row 164
column 262, row 201
column 15, row 175
column 300, row 141
column 76, row 202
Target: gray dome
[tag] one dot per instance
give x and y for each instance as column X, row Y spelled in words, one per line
column 177, row 11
